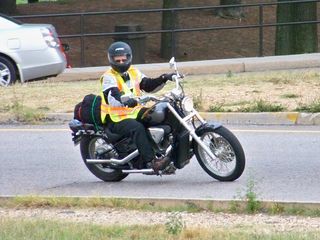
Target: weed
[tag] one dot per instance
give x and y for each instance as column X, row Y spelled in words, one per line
column 250, row 197
column 25, row 114
column 276, row 209
column 175, row 224
column 313, row 107
column 290, row 95
column 295, row 211
column 198, row 101
column 229, row 74
column 216, row 108
column 262, row 106
column 235, row 207
column 253, row 205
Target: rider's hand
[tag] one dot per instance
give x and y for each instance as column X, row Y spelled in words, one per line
column 131, row 103
column 167, row 76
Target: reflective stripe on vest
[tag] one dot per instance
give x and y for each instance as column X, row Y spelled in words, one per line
column 120, row 113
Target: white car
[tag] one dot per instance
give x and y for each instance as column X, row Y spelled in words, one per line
column 29, row 51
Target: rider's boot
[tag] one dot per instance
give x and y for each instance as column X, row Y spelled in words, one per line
column 160, row 163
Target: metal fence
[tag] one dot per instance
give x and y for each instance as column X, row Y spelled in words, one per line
column 260, row 24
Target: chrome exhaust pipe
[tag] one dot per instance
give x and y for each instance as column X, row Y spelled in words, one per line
column 168, row 150
column 121, row 161
column 144, row 171
column 113, row 160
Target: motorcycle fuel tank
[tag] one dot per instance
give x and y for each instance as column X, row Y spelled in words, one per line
column 156, row 114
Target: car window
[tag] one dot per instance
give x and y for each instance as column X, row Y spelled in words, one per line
column 8, row 22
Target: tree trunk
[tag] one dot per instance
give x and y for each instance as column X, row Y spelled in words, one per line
column 7, row 6
column 33, row 1
column 296, row 39
column 230, row 12
column 168, row 40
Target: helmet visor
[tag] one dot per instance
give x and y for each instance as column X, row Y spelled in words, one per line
column 120, row 59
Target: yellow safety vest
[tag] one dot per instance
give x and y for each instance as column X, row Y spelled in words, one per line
column 118, row 114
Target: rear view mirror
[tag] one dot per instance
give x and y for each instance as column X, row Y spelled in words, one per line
column 172, row 62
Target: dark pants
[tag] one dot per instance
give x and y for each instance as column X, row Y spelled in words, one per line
column 136, row 131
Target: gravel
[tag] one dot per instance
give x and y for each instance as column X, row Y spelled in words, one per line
column 109, row 216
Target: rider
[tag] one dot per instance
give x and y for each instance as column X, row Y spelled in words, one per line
column 124, row 117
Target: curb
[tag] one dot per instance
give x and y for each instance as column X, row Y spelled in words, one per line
column 263, row 118
column 234, row 65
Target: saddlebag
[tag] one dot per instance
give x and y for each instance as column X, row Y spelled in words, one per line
column 88, row 111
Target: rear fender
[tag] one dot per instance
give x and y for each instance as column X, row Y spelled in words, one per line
column 79, row 129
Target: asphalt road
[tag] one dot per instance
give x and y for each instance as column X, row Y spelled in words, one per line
column 283, row 162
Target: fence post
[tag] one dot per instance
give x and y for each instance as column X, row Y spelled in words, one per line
column 82, row 40
column 173, row 40
column 261, row 30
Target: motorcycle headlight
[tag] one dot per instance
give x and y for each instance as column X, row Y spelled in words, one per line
column 187, row 104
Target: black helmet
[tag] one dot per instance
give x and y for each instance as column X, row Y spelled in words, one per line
column 120, row 49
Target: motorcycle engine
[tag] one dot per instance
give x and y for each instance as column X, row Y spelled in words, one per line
column 105, row 151
column 156, row 134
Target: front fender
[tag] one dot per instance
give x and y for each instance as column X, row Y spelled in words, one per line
column 201, row 128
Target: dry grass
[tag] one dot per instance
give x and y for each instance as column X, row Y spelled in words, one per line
column 48, row 229
column 230, row 92
column 234, row 91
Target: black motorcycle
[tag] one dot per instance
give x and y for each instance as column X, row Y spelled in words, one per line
column 176, row 131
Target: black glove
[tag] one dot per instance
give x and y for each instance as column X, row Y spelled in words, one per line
column 131, row 103
column 167, row 76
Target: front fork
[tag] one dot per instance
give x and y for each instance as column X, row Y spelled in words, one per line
column 193, row 132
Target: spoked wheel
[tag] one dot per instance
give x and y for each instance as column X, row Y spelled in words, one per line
column 229, row 161
column 89, row 147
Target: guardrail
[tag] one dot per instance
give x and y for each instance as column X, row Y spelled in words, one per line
column 261, row 25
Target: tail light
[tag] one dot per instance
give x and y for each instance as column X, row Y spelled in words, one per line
column 50, row 38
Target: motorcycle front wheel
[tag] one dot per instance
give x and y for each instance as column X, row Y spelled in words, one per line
column 88, row 148
column 229, row 161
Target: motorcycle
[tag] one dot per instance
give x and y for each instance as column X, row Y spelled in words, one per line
column 176, row 130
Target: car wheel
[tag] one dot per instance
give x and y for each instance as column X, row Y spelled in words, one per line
column 7, row 72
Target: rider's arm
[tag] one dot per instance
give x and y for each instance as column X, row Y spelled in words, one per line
column 111, row 91
column 154, row 84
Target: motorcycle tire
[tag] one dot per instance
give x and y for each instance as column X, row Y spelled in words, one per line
column 227, row 150
column 101, row 172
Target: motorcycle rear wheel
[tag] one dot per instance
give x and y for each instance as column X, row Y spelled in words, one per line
column 88, row 147
column 229, row 163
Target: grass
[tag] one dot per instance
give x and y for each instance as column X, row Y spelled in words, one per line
column 247, row 204
column 246, row 92
column 40, row 229
column 311, row 108
column 174, row 227
column 262, row 106
column 290, row 95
